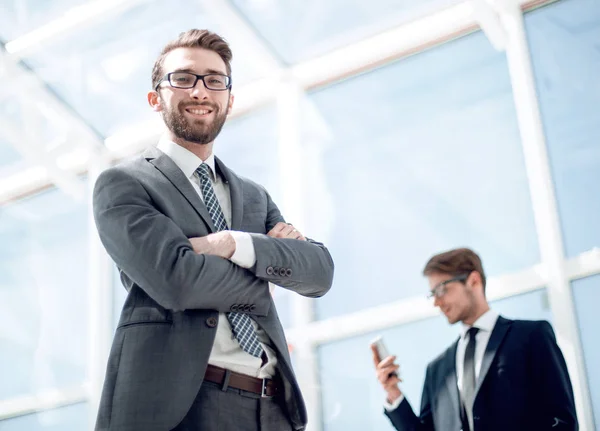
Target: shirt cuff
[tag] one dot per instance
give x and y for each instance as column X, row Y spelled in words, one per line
column 244, row 254
column 393, row 406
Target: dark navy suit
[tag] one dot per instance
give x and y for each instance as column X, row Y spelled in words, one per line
column 523, row 384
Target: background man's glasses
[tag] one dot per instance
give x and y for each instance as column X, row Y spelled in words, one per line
column 439, row 290
column 212, row 81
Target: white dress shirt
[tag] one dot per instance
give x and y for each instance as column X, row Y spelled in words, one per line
column 226, row 351
column 485, row 323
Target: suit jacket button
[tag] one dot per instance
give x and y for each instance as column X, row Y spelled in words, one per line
column 282, row 272
column 269, row 270
column 234, row 307
column 252, row 307
column 211, row 322
column 246, row 308
column 275, row 271
column 288, row 272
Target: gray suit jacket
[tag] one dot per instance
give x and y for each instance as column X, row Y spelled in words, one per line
column 145, row 211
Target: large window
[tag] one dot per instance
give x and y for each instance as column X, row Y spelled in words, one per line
column 71, row 418
column 43, row 294
column 564, row 49
column 105, row 67
column 420, row 156
column 301, row 29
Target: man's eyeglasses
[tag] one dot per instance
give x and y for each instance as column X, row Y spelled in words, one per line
column 212, row 81
column 440, row 289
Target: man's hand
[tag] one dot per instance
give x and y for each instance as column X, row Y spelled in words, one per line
column 384, row 370
column 219, row 244
column 285, row 230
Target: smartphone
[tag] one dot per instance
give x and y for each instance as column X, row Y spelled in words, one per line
column 382, row 350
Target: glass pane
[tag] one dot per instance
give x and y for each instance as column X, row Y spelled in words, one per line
column 103, row 70
column 8, row 154
column 563, row 40
column 346, row 367
column 410, row 160
column 43, row 279
column 22, row 16
column 32, row 120
column 248, row 145
column 587, row 293
column 283, row 301
column 11, row 160
column 300, row 29
column 71, row 418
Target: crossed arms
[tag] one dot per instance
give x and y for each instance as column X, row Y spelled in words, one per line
column 156, row 254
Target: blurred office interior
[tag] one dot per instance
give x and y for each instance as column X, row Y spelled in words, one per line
column 389, row 129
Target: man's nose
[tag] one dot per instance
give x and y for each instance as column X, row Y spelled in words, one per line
column 199, row 91
column 436, row 301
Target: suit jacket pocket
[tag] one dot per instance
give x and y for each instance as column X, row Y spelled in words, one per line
column 144, row 322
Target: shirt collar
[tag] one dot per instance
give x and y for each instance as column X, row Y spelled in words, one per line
column 185, row 160
column 486, row 322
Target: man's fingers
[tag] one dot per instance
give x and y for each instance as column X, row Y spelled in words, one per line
column 387, row 361
column 276, row 230
column 386, row 371
column 279, row 227
column 285, row 230
column 385, row 374
column 391, row 382
column 297, row 235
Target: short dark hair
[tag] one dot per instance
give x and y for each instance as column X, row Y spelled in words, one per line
column 193, row 39
column 455, row 262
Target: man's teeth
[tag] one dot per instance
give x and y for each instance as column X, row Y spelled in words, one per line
column 199, row 111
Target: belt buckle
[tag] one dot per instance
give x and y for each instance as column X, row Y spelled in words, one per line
column 263, row 390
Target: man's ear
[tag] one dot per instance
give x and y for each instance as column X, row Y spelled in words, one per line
column 155, row 101
column 474, row 279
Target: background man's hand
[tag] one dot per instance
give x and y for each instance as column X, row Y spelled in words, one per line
column 384, row 369
column 219, row 244
column 285, row 230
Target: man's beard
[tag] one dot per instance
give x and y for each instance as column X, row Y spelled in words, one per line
column 195, row 131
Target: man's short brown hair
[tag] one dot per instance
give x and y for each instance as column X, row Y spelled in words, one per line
column 193, row 39
column 460, row 261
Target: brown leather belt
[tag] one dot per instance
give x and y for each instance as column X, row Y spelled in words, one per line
column 227, row 378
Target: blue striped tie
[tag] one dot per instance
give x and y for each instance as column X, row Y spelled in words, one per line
column 241, row 324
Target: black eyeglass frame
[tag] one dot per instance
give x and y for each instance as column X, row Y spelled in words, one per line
column 440, row 289
column 167, row 78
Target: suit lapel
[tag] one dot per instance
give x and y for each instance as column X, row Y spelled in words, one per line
column 496, row 337
column 236, row 192
column 169, row 169
column 451, row 379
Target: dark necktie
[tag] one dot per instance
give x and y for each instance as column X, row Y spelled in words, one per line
column 468, row 380
column 241, row 324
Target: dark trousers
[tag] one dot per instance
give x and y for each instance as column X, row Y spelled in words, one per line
column 234, row 410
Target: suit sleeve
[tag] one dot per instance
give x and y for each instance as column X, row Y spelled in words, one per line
column 404, row 419
column 556, row 401
column 305, row 267
column 156, row 255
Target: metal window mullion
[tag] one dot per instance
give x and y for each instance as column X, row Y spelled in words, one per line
column 291, row 175
column 545, row 207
